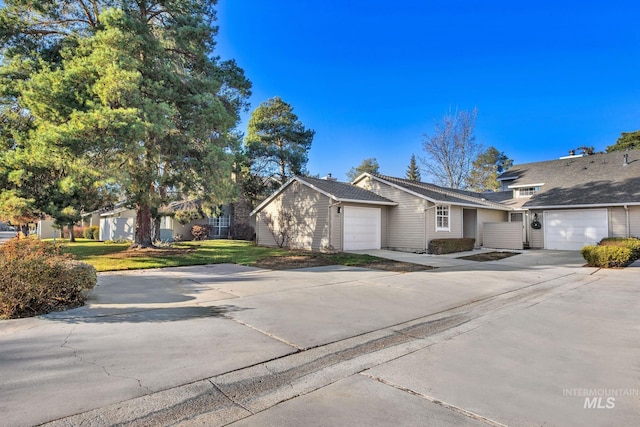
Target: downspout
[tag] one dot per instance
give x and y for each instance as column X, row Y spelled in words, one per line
column 329, row 222
column 626, row 210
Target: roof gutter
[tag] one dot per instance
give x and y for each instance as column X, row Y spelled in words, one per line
column 366, row 202
column 598, row 205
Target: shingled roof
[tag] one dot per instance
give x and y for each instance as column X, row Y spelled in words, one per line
column 439, row 194
column 339, row 191
column 342, row 191
column 599, row 179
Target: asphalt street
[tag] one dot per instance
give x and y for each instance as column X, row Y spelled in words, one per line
column 530, row 340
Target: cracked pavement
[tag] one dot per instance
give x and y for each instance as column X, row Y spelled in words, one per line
column 481, row 344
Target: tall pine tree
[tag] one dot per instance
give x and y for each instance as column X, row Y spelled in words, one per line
column 486, row 168
column 413, row 171
column 277, row 143
column 131, row 87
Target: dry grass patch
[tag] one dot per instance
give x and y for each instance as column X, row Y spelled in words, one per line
column 489, row 256
column 291, row 262
column 152, row 252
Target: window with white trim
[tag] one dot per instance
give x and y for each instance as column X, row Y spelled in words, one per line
column 527, row 191
column 442, row 218
column 220, row 226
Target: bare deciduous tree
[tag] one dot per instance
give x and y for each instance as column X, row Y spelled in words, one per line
column 452, row 148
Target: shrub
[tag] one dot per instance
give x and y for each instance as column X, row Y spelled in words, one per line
column 448, row 246
column 25, row 248
column 242, row 232
column 200, row 231
column 92, row 232
column 607, row 256
column 631, row 243
column 35, row 279
column 78, row 232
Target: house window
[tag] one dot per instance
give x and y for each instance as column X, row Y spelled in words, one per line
column 220, row 226
column 442, row 218
column 527, row 191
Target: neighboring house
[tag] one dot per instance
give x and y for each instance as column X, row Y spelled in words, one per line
column 119, row 223
column 319, row 214
column 559, row 204
column 171, row 229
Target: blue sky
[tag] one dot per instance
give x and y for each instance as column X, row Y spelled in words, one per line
column 372, row 77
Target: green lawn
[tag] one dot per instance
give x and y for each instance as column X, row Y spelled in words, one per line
column 108, row 256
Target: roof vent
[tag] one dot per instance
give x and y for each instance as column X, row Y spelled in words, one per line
column 329, row 178
column 625, row 162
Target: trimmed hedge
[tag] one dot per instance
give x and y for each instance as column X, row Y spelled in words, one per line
column 607, row 256
column 36, row 279
column 631, row 243
column 448, row 246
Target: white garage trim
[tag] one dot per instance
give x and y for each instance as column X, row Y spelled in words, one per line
column 573, row 229
column 362, row 228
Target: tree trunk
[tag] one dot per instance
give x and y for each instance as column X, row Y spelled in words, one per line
column 72, row 238
column 143, row 227
column 156, row 229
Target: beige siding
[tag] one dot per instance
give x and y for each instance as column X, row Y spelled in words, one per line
column 620, row 224
column 487, row 215
column 634, row 221
column 617, row 222
column 536, row 237
column 309, row 226
column 455, row 224
column 403, row 225
column 502, row 235
column 336, row 228
column 384, row 237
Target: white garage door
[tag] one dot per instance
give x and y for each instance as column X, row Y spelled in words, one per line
column 361, row 228
column 571, row 230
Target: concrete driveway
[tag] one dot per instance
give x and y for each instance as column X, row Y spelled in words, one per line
column 513, row 342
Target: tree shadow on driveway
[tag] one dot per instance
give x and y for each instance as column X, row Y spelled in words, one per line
column 140, row 314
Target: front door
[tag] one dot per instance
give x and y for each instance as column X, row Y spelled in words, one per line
column 469, row 220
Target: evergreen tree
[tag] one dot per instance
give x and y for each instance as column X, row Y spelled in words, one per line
column 132, row 88
column 369, row 165
column 626, row 141
column 277, row 143
column 413, row 171
column 486, row 168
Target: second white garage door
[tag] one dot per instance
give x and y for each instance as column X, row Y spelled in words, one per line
column 361, row 228
column 571, row 230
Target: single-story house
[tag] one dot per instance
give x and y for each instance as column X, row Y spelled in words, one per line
column 558, row 204
column 119, row 223
column 374, row 212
